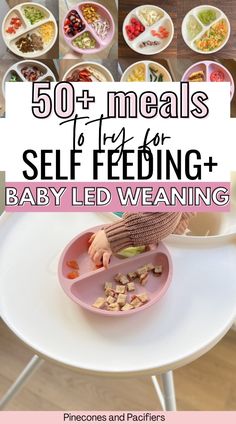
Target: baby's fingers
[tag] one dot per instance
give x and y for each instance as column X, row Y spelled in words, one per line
column 106, row 259
column 92, row 238
column 97, row 257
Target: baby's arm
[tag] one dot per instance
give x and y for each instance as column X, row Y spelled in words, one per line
column 135, row 229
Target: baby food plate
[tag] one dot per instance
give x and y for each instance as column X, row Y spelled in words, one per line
column 209, row 71
column 28, row 71
column 88, row 27
column 146, row 70
column 86, row 284
column 29, row 30
column 205, row 29
column 148, row 29
column 88, row 72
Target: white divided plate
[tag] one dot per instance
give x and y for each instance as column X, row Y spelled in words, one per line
column 148, row 75
column 16, row 69
column 193, row 17
column 28, row 28
column 208, row 68
column 96, row 66
column 164, row 20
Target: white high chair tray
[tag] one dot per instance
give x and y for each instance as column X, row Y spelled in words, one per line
column 195, row 313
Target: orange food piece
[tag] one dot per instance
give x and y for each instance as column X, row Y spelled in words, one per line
column 99, row 266
column 72, row 264
column 72, row 274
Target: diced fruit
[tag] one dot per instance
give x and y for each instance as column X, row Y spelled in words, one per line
column 72, row 264
column 72, row 274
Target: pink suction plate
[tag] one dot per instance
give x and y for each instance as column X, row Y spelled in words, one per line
column 86, row 288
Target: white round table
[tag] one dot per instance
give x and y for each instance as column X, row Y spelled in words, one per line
column 193, row 316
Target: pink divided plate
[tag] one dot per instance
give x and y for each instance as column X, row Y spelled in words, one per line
column 209, row 68
column 86, row 288
column 100, row 43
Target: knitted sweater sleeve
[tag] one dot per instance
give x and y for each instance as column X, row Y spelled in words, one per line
column 137, row 229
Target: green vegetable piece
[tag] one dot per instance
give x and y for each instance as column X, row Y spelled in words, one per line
column 161, row 78
column 207, row 16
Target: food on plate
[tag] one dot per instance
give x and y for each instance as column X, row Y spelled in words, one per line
column 157, row 270
column 155, row 74
column 137, row 74
column 31, row 73
column 149, row 43
column 134, row 28
column 29, row 43
column 193, row 27
column 86, row 74
column 72, row 264
column 14, row 77
column 33, row 14
column 198, row 76
column 161, row 32
column 217, row 76
column 15, row 24
column 207, row 16
column 73, row 24
column 131, row 286
column 128, row 252
column 99, row 302
column 122, row 297
column 213, row 38
column 72, row 274
column 90, row 13
column 101, row 27
column 85, row 41
column 47, row 31
column 149, row 15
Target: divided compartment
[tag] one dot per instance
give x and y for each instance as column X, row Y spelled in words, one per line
column 14, row 13
column 104, row 15
column 140, row 11
column 70, row 37
column 43, row 10
column 217, row 11
column 164, row 20
column 86, row 32
column 147, row 72
column 38, row 65
column 85, row 289
column 193, row 14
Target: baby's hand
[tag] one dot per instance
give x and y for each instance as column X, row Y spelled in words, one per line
column 99, row 250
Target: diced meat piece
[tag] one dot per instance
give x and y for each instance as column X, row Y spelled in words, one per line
column 132, row 275
column 110, row 299
column 121, row 299
column 141, row 270
column 143, row 297
column 99, row 303
column 136, row 302
column 127, row 307
column 117, row 277
column 120, row 289
column 143, row 278
column 113, row 307
column 110, row 292
column 131, row 286
column 107, row 285
column 157, row 270
column 124, row 280
column 150, row 267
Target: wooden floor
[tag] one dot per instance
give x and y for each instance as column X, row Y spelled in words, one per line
column 207, row 384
